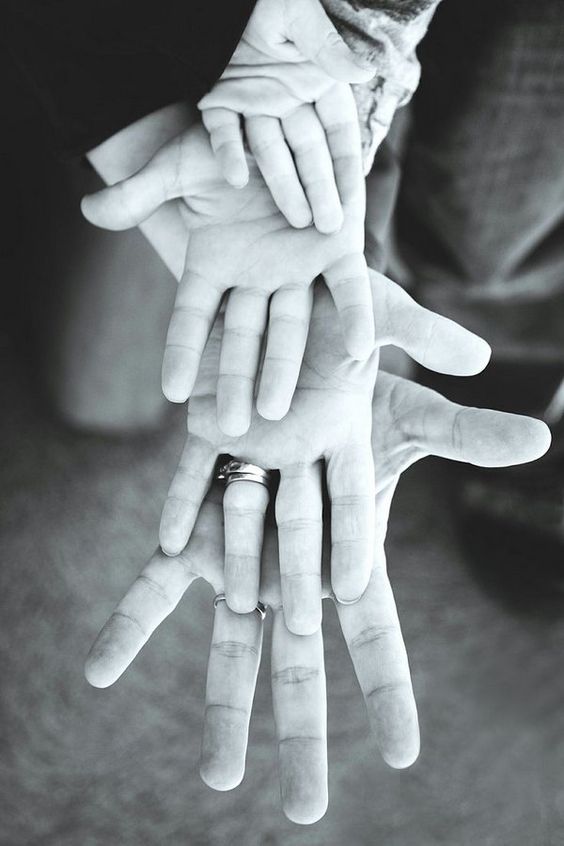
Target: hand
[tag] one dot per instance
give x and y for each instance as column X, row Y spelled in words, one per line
column 329, row 421
column 296, row 122
column 410, row 422
column 239, row 241
column 296, row 119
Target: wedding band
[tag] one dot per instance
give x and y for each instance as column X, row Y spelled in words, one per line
column 260, row 609
column 343, row 601
column 241, row 471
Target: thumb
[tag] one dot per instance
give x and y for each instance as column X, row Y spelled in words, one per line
column 316, row 38
column 433, row 341
column 130, row 202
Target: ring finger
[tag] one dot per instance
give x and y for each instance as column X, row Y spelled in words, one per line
column 244, row 508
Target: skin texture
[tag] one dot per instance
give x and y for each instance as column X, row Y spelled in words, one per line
column 325, row 437
column 410, row 422
column 240, row 242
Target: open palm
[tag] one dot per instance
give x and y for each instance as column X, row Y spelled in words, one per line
column 325, row 436
column 410, row 422
column 240, row 242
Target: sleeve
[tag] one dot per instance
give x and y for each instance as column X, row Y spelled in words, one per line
column 96, row 66
column 384, row 33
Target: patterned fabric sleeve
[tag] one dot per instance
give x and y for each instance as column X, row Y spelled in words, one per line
column 385, row 34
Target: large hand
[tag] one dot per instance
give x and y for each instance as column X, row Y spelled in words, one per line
column 239, row 241
column 329, row 421
column 409, row 422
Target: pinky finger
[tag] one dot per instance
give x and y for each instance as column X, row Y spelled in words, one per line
column 226, row 139
column 288, row 326
column 349, row 283
column 372, row 632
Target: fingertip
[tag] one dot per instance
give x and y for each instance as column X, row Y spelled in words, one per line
column 402, row 757
column 95, row 674
column 174, row 392
column 304, row 814
column 471, row 357
column 172, row 537
column 302, row 623
column 303, row 780
column 359, row 341
column 272, row 407
column 237, row 174
column 176, row 381
column 329, row 223
column 240, row 602
column 221, row 777
column 298, row 215
column 233, row 422
column 395, row 727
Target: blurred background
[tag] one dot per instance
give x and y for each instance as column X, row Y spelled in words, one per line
column 88, row 449
column 79, row 517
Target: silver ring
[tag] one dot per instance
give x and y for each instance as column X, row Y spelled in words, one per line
column 260, row 608
column 241, row 471
column 343, row 601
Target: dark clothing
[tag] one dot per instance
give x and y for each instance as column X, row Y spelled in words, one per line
column 480, row 218
column 96, row 67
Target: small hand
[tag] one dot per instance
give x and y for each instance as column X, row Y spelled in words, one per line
column 329, row 421
column 239, row 241
column 296, row 121
column 410, row 422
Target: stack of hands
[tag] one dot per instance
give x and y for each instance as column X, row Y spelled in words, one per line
column 259, row 210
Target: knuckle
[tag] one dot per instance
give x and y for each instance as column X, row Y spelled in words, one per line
column 296, row 675
column 234, row 649
column 373, row 636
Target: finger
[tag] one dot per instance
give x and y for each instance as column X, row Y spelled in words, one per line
column 245, row 323
column 231, row 681
column 317, row 39
column 350, row 481
column 275, row 162
column 224, row 127
column 478, row 436
column 300, row 531
column 306, row 138
column 338, row 115
column 434, row 341
column 288, row 327
column 372, row 632
column 131, row 201
column 300, row 714
column 195, row 308
column 252, row 95
column 186, row 493
column 349, row 284
column 244, row 507
column 152, row 597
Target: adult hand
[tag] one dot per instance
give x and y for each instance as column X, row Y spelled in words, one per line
column 410, row 422
column 239, row 241
column 329, row 421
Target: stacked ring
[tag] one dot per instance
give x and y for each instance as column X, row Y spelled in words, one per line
column 260, row 608
column 241, row 471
